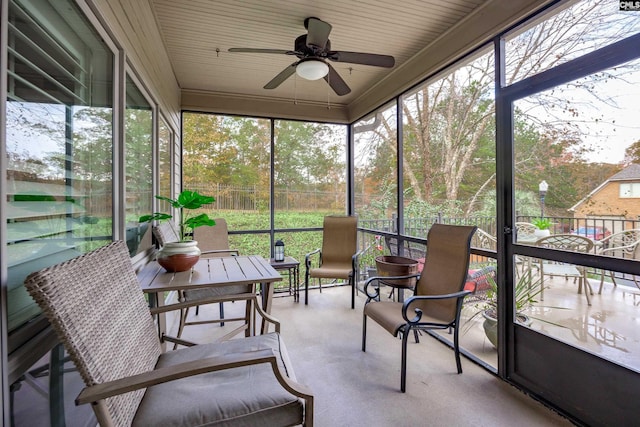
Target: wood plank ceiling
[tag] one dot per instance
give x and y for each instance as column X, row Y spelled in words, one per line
column 198, row 33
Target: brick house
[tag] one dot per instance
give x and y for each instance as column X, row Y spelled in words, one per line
column 616, row 198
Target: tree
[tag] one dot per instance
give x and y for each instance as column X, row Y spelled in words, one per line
column 236, row 151
column 448, row 129
column 632, row 153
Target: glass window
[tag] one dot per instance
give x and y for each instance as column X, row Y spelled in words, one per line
column 630, row 190
column 581, row 138
column 309, row 174
column 581, row 144
column 229, row 158
column 581, row 28
column 165, row 136
column 59, row 143
column 309, row 180
column 138, row 168
column 449, row 174
column 449, row 150
column 375, row 146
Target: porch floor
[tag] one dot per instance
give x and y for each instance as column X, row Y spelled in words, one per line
column 355, row 388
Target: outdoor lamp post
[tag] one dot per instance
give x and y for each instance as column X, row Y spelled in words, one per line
column 542, row 188
column 278, row 251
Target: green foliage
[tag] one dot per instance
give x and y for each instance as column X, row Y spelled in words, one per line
column 297, row 243
column 187, row 200
column 383, row 205
column 526, row 202
column 542, row 223
column 526, row 290
column 632, row 153
column 424, row 209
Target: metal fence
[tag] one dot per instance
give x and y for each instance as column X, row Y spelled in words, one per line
column 256, row 198
column 419, row 227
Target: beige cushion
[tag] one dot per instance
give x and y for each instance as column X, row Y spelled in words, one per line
column 388, row 314
column 247, row 396
column 331, row 272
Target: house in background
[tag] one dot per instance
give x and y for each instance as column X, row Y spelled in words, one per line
column 616, row 198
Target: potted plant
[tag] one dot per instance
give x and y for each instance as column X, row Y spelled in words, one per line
column 543, row 225
column 526, row 291
column 181, row 255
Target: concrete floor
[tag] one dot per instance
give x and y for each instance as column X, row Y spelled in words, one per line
column 355, row 388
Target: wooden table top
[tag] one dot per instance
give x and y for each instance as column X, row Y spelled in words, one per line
column 223, row 271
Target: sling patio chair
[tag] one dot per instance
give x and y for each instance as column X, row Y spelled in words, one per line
column 212, row 241
column 338, row 257
column 438, row 295
column 96, row 307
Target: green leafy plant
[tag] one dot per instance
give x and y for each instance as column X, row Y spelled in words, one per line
column 542, row 223
column 187, row 200
column 526, row 289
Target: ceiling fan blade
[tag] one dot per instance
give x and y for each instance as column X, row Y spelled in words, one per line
column 362, row 58
column 280, row 78
column 251, row 50
column 318, row 32
column 338, row 85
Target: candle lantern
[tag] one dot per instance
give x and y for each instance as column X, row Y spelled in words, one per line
column 278, row 251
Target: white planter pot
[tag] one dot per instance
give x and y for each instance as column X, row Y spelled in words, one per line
column 542, row 233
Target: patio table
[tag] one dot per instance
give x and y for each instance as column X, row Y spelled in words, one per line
column 233, row 271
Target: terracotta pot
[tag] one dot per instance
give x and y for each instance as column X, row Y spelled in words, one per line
column 179, row 256
column 389, row 265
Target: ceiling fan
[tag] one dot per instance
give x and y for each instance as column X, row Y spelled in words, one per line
column 313, row 50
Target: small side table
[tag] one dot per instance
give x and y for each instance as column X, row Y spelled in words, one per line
column 292, row 266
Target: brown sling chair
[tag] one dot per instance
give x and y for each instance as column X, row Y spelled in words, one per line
column 438, row 295
column 338, row 258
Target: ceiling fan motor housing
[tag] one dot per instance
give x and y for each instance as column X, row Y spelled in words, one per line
column 303, row 50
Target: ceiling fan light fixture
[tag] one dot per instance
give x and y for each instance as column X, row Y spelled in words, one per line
column 312, row 69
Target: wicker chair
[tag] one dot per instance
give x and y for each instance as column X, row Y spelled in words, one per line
column 98, row 311
column 438, row 296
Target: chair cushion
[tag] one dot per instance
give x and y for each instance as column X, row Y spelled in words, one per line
column 247, row 396
column 388, row 314
column 331, row 271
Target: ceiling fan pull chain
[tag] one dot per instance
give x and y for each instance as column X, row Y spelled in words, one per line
column 329, row 92
column 295, row 90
